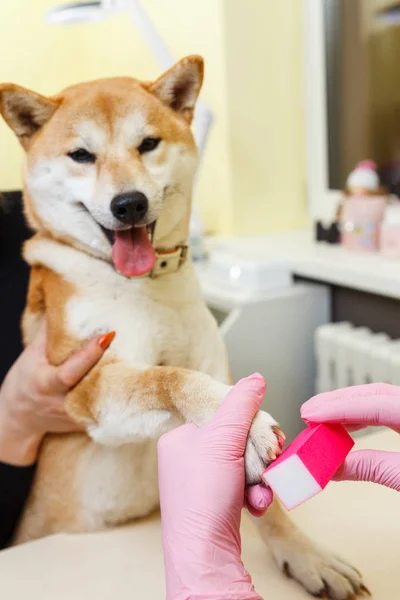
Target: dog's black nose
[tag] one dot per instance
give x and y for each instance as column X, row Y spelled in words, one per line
column 130, row 208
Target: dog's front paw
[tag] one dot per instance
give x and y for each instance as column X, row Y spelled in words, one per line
column 319, row 572
column 263, row 446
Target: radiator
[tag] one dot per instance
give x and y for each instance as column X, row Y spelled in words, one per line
column 348, row 355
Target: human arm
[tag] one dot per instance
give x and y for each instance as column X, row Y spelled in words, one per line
column 202, row 486
column 31, row 404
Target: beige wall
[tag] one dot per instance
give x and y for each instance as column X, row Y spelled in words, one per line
column 252, row 179
column 34, row 56
column 266, row 114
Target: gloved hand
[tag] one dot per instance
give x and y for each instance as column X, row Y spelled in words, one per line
column 357, row 407
column 202, row 486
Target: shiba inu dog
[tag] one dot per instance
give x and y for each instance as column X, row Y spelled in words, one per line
column 107, row 188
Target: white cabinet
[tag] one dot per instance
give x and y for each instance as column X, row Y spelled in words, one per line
column 274, row 335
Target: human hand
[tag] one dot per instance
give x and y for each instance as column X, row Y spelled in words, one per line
column 32, row 397
column 357, row 407
column 202, row 486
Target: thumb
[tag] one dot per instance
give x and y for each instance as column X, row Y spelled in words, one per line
column 239, row 408
column 258, row 499
column 376, row 466
column 70, row 372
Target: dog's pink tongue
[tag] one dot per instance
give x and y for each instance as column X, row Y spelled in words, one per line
column 133, row 253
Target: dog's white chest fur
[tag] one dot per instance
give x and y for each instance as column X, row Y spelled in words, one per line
column 162, row 321
column 148, row 332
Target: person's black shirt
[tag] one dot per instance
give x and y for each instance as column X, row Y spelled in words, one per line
column 15, row 482
column 14, row 275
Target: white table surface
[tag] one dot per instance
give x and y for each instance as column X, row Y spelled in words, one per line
column 359, row 521
column 320, row 261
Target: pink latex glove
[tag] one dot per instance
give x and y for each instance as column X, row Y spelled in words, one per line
column 357, row 407
column 202, row 486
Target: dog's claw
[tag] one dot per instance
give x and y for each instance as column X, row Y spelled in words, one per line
column 325, row 594
column 278, row 432
column 271, row 455
column 280, row 435
column 286, row 570
column 365, row 591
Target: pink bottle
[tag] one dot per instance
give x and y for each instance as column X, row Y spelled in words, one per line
column 361, row 222
column 363, row 208
column 390, row 231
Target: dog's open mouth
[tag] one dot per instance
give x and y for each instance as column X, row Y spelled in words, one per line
column 132, row 251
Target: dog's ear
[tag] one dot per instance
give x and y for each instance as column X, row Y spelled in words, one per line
column 25, row 111
column 180, row 86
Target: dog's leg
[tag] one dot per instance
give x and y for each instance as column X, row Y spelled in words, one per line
column 321, row 573
column 35, row 306
column 119, row 403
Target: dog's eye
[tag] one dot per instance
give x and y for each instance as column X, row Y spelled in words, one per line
column 82, row 156
column 149, row 144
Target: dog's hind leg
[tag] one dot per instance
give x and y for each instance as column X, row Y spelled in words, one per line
column 321, row 573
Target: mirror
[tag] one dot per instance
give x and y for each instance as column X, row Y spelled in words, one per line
column 362, row 51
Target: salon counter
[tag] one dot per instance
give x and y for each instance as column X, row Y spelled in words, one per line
column 332, row 264
column 359, row 521
column 363, row 288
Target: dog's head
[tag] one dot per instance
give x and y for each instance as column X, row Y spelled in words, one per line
column 108, row 159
